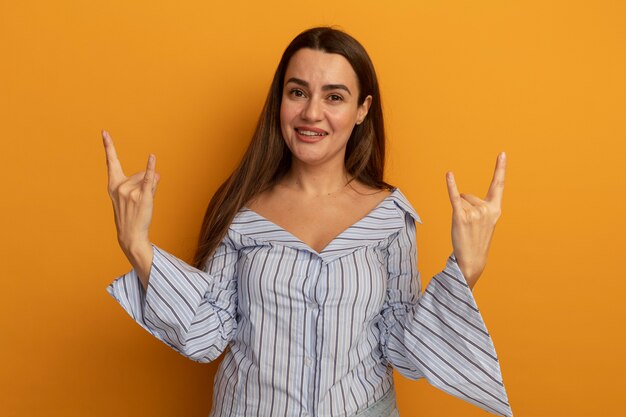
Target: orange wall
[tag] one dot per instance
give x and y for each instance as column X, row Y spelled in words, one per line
column 462, row 80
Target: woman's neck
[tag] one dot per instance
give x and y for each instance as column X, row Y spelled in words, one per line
column 319, row 180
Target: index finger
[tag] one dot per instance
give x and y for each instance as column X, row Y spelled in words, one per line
column 496, row 188
column 114, row 168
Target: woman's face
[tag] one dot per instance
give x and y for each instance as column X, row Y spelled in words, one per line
column 320, row 106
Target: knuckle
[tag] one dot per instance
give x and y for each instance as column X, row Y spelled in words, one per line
column 134, row 195
column 122, row 190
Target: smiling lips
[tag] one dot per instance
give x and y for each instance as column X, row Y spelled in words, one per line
column 310, row 134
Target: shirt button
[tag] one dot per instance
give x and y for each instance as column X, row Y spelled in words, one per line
column 308, row 361
column 312, row 305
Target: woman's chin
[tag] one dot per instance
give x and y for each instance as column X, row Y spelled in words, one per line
column 314, row 154
column 310, row 158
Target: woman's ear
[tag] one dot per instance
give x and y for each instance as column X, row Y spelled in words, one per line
column 363, row 109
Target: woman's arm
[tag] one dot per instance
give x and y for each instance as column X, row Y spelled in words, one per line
column 192, row 311
column 440, row 334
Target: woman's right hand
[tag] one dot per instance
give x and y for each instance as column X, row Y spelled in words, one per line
column 132, row 199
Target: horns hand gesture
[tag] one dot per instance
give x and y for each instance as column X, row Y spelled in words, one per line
column 132, row 199
column 474, row 221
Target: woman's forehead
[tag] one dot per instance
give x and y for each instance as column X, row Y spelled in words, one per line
column 320, row 68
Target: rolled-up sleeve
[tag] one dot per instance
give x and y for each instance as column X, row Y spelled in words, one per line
column 439, row 334
column 190, row 310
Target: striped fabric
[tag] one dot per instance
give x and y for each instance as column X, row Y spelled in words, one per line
column 317, row 334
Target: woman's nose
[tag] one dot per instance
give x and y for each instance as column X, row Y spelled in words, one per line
column 312, row 110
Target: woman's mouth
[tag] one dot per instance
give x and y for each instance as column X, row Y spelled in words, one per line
column 310, row 134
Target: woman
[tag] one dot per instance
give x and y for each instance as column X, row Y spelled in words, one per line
column 306, row 265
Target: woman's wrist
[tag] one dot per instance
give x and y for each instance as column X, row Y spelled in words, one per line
column 140, row 256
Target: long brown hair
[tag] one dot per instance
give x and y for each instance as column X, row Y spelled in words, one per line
column 267, row 158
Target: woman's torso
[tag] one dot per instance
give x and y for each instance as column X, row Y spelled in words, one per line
column 307, row 339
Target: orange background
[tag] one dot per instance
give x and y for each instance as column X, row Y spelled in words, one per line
column 461, row 80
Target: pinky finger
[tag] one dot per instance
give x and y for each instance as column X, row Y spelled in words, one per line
column 453, row 192
column 148, row 178
column 155, row 183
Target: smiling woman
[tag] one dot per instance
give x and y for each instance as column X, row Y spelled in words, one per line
column 318, row 107
column 306, row 270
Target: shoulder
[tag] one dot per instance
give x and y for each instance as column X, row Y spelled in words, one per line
column 403, row 205
column 366, row 197
column 261, row 199
column 392, row 197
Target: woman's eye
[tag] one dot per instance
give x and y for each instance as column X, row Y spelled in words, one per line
column 296, row 93
column 335, row 97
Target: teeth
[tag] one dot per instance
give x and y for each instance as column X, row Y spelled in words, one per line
column 309, row 133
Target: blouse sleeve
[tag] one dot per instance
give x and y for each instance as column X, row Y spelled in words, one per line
column 439, row 334
column 192, row 311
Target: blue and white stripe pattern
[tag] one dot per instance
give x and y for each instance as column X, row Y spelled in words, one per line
column 317, row 334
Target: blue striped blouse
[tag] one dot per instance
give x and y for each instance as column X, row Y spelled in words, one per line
column 317, row 334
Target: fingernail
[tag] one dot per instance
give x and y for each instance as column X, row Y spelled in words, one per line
column 449, row 176
column 502, row 155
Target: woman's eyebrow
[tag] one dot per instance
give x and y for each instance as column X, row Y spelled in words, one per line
column 324, row 88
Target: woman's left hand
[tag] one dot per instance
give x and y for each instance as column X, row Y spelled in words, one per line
column 474, row 221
